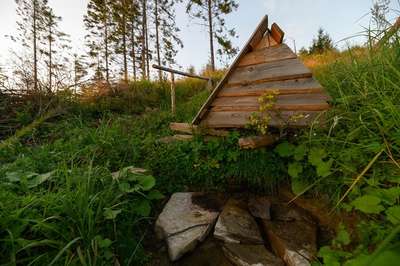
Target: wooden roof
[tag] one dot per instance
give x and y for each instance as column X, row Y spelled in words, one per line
column 264, row 65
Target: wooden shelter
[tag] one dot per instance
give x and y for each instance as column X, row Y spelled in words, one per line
column 265, row 65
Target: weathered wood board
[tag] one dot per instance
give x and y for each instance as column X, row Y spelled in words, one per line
column 265, row 65
column 266, row 55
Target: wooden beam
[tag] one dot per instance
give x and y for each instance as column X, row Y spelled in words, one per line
column 257, row 141
column 274, row 71
column 170, row 70
column 280, row 119
column 277, row 33
column 304, row 102
column 204, row 109
column 295, row 86
column 266, row 55
column 193, row 129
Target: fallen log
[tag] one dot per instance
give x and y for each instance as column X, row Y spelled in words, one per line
column 193, row 129
column 257, row 141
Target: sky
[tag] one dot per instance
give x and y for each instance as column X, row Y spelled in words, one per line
column 299, row 19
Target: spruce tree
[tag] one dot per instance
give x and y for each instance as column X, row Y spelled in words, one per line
column 212, row 13
column 166, row 32
column 57, row 46
column 98, row 22
column 31, row 28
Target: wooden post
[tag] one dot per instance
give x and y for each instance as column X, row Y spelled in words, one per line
column 173, row 100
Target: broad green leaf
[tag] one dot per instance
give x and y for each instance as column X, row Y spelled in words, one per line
column 300, row 152
column 147, row 182
column 324, row 168
column 389, row 257
column 125, row 187
column 155, row 195
column 36, row 180
column 332, row 257
column 316, row 155
column 393, row 214
column 294, row 169
column 103, row 242
column 14, row 177
column 111, row 214
column 143, row 208
column 342, row 236
column 285, row 149
column 298, row 185
column 368, row 204
column 391, row 195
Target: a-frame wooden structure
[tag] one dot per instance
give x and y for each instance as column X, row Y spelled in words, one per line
column 264, row 65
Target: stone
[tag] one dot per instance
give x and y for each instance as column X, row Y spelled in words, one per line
column 236, row 225
column 207, row 253
column 294, row 241
column 186, row 241
column 185, row 221
column 259, row 207
column 247, row 255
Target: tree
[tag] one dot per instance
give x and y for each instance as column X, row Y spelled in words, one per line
column 31, row 27
column 98, row 22
column 322, row 43
column 134, row 26
column 79, row 70
column 166, row 35
column 121, row 14
column 212, row 13
column 56, row 40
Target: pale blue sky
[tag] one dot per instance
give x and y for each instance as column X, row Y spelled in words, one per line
column 300, row 19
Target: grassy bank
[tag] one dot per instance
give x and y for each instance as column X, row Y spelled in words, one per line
column 60, row 205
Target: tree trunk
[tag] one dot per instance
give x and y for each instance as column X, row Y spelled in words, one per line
column 124, row 43
column 35, row 71
column 211, row 32
column 144, row 22
column 157, row 39
column 106, row 49
column 50, row 56
column 133, row 51
column 75, row 73
column 147, row 51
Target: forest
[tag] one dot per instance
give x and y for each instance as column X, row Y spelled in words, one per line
column 90, row 161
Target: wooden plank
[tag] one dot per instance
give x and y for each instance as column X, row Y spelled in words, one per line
column 277, row 33
column 259, row 34
column 265, row 55
column 278, row 119
column 295, row 86
column 255, row 142
column 266, row 41
column 204, row 109
column 193, row 129
column 305, row 102
column 274, row 71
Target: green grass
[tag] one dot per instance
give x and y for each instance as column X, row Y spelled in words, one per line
column 355, row 158
column 60, row 205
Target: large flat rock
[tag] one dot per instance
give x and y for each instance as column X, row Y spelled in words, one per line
column 236, row 225
column 292, row 235
column 247, row 255
column 259, row 207
column 186, row 220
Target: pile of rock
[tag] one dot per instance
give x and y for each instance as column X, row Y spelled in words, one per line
column 251, row 231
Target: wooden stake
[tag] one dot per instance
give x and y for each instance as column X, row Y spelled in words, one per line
column 173, row 100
